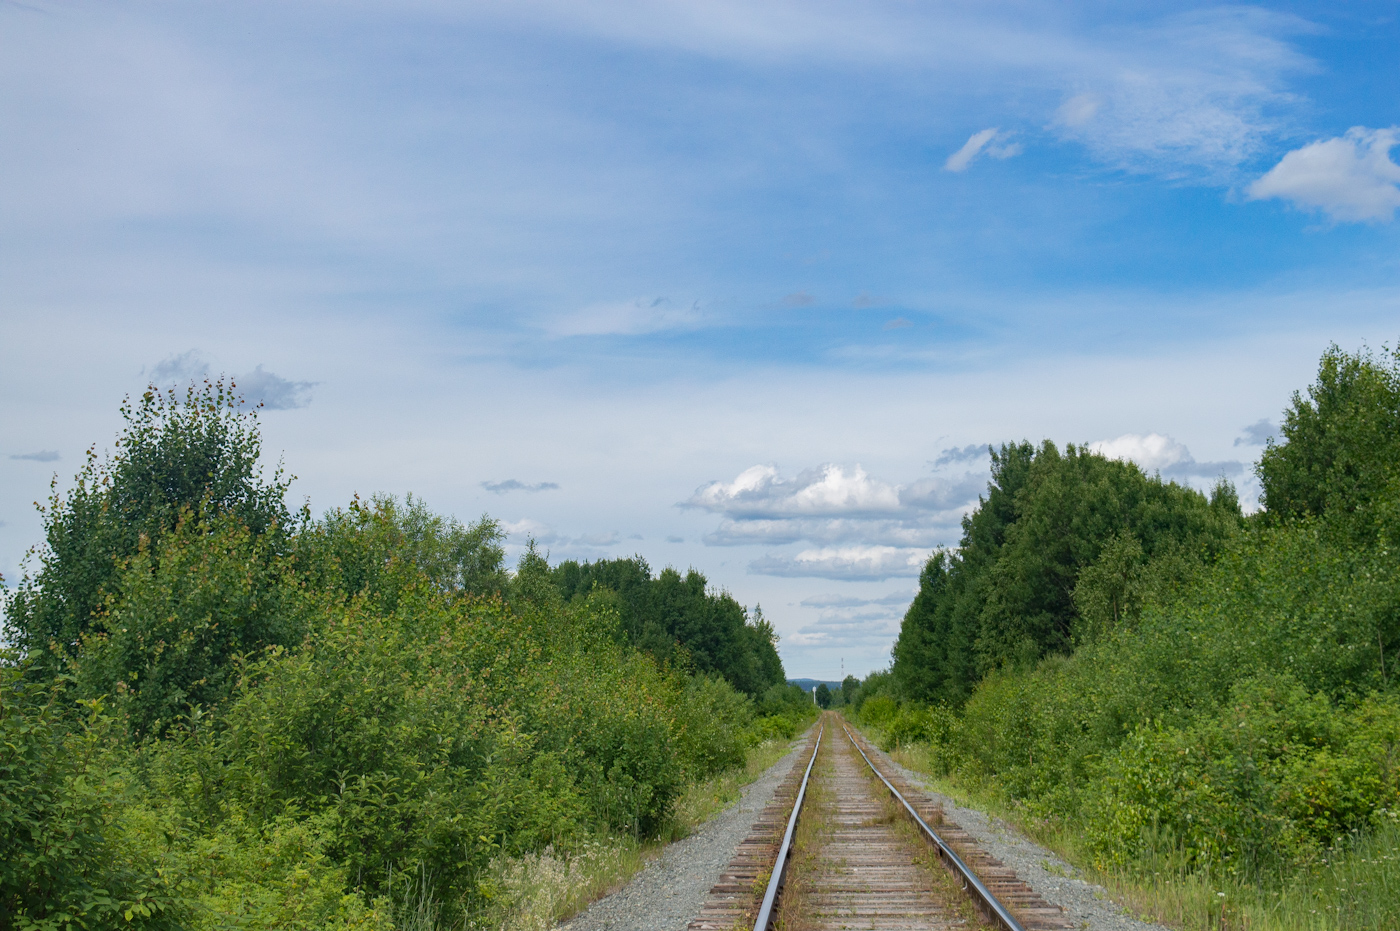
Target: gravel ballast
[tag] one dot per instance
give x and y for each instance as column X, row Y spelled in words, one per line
column 670, row 891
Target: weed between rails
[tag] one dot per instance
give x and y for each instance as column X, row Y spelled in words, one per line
column 961, row 910
column 807, row 863
column 1354, row 887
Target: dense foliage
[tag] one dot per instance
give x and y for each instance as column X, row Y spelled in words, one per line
column 222, row 716
column 177, row 461
column 1235, row 702
column 1065, row 543
column 676, row 618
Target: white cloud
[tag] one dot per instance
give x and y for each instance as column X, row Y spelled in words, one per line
column 832, row 505
column 1154, row 452
column 979, row 143
column 1191, row 95
column 1078, row 110
column 760, row 492
column 865, row 563
column 1350, row 177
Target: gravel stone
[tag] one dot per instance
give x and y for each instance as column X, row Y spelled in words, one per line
column 1059, row 883
column 670, row 891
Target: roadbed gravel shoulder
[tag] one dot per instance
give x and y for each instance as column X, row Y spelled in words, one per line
column 1087, row 905
column 671, row 890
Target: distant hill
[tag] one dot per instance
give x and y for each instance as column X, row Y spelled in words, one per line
column 808, row 684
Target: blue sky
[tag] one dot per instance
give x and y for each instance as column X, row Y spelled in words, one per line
column 730, row 285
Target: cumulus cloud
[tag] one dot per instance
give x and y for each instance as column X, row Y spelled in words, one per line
column 42, row 455
column 761, row 492
column 1256, row 434
column 511, row 484
column 850, row 563
column 259, row 386
column 991, row 142
column 1350, row 177
column 1154, row 452
column 833, row 505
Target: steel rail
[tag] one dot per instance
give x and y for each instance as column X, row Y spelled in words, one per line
column 775, row 882
column 969, row 878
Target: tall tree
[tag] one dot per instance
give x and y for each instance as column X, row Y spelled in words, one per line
column 1340, row 448
column 192, row 458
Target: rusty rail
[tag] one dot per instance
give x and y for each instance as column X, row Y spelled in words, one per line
column 775, row 882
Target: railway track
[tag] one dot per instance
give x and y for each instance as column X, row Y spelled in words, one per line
column 846, row 843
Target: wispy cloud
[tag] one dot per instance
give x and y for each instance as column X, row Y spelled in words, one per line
column 799, row 299
column 630, row 318
column 1198, row 92
column 1193, row 95
column 1155, row 452
column 1350, row 177
column 992, row 142
column 511, row 484
column 43, row 455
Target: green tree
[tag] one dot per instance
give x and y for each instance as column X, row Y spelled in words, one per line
column 1007, row 595
column 677, row 618
column 823, row 696
column 1340, row 451
column 196, row 455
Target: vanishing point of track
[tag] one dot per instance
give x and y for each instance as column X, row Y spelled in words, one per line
column 847, row 844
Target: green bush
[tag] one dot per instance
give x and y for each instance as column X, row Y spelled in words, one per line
column 76, row 850
column 1273, row 779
